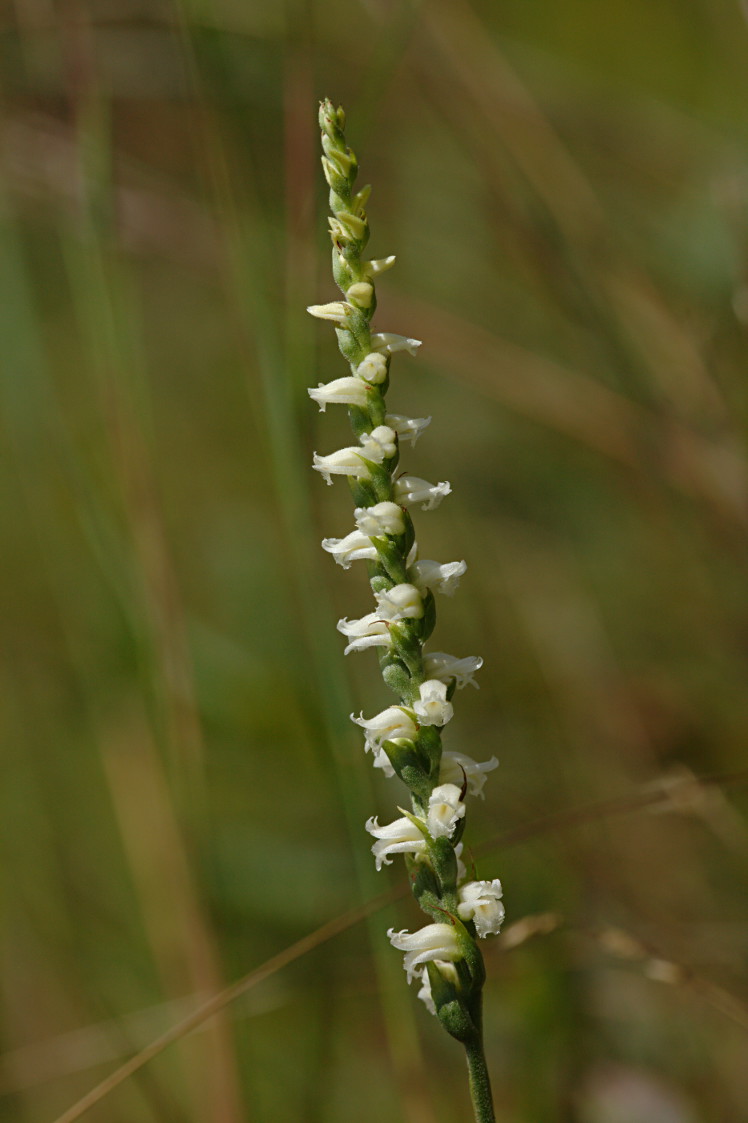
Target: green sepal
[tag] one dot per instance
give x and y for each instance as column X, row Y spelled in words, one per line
column 343, row 272
column 405, row 645
column 380, row 582
column 391, row 556
column 392, row 463
column 430, row 743
column 444, row 861
column 428, row 620
column 395, row 675
column 377, row 407
column 360, row 420
column 409, row 536
column 472, row 961
column 380, row 478
column 349, row 346
column 455, row 1016
column 362, row 491
column 409, row 766
column 423, row 881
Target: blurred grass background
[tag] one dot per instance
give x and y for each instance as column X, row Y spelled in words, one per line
column 565, row 188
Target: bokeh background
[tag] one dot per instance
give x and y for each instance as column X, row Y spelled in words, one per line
column 183, row 796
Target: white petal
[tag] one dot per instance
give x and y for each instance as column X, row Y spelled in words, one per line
column 444, row 578
column 383, row 518
column 439, row 665
column 401, row 602
column 354, row 547
column 412, row 489
column 389, row 342
column 337, row 311
column 407, row 428
column 457, row 768
column 347, row 391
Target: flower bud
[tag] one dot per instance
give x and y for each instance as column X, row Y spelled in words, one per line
column 373, row 369
column 361, row 294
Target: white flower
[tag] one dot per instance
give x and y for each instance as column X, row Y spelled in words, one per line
column 376, row 446
column 382, row 518
column 348, row 391
column 399, row 837
column 389, row 342
column 337, row 311
column 412, row 489
column 438, row 664
column 360, row 294
column 373, row 369
column 445, row 808
column 368, row 631
column 457, row 768
column 435, row 941
column 379, row 444
column 344, row 462
column 401, row 602
column 354, row 547
column 443, row 578
column 480, row 901
column 391, row 723
column 379, row 265
column 407, row 428
column 432, row 707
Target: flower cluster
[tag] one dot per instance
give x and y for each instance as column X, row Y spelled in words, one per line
column 405, row 739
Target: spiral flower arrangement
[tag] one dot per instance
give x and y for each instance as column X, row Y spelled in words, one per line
column 405, row 739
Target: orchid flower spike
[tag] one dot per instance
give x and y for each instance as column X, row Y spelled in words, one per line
column 405, row 738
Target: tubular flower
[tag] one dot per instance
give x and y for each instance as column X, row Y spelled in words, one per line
column 390, row 343
column 379, row 445
column 341, row 391
column 435, row 941
column 457, row 768
column 399, row 837
column 391, row 723
column 368, row 631
column 338, row 311
column 443, row 578
column 382, row 518
column 401, row 602
column 373, row 369
column 438, row 664
column 445, row 809
column 412, row 489
column 431, row 707
column 354, row 547
column 480, row 901
column 404, row 739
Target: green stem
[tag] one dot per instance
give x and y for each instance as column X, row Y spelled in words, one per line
column 480, row 1085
